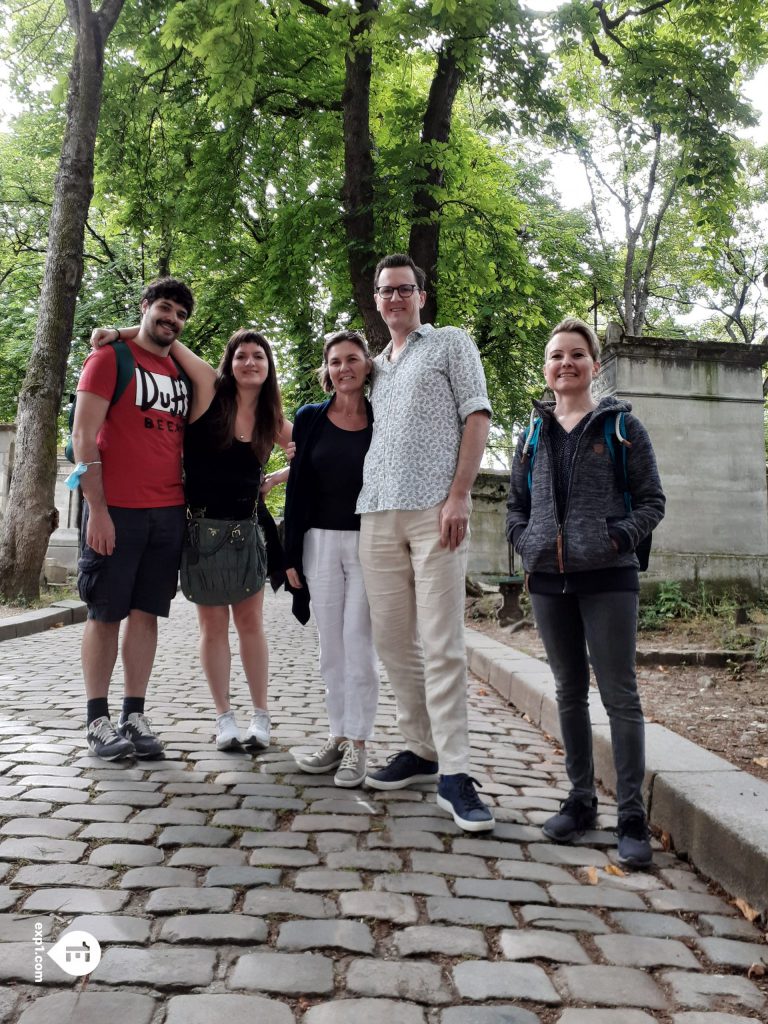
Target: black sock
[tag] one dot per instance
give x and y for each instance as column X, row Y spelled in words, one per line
column 133, row 706
column 97, row 708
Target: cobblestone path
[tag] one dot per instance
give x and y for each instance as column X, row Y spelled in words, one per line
column 225, row 887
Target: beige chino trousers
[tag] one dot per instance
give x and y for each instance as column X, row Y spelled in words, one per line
column 416, row 593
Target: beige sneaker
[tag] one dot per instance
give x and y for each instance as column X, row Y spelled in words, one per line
column 328, row 757
column 351, row 771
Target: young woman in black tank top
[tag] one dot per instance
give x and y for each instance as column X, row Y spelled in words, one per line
column 235, row 420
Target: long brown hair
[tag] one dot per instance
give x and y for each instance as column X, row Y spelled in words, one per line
column 269, row 408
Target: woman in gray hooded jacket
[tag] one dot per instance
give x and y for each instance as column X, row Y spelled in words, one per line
column 569, row 520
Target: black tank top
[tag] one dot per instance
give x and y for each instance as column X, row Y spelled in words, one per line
column 221, row 483
column 336, row 467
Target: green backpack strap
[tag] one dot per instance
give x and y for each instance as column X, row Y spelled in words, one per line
column 125, row 367
column 126, row 364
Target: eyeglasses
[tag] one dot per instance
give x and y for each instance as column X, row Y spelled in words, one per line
column 403, row 290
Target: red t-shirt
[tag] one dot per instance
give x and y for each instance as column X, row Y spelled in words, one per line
column 141, row 438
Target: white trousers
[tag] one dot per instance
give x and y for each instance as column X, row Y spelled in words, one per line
column 416, row 590
column 348, row 662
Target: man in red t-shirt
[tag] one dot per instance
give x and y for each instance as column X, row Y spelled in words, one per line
column 133, row 517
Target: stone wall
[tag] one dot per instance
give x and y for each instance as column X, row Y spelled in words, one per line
column 703, row 406
column 488, row 550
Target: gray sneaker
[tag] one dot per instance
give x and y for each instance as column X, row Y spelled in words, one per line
column 351, row 771
column 106, row 742
column 137, row 729
column 328, row 757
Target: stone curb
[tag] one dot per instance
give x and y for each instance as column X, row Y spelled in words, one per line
column 715, row 814
column 62, row 613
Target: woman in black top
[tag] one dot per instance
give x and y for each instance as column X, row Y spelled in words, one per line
column 321, row 539
column 235, row 420
column 577, row 532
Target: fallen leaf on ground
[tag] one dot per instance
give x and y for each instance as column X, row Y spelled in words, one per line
column 756, row 971
column 482, row 693
column 761, row 761
column 612, row 869
column 666, row 842
column 591, row 874
column 747, row 911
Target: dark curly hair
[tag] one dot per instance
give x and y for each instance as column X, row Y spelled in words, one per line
column 169, row 288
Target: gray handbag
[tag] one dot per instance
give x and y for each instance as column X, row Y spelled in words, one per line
column 223, row 561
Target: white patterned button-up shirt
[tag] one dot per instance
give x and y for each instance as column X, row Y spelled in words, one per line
column 420, row 403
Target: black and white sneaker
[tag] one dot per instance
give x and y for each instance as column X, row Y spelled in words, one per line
column 137, row 729
column 106, row 742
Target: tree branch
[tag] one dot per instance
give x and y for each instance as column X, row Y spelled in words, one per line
column 108, row 14
column 317, row 7
column 610, row 23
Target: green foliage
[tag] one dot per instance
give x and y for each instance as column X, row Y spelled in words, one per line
column 724, row 608
column 221, row 159
column 654, row 121
column 669, row 603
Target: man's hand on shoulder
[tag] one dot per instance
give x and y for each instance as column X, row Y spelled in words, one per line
column 101, row 531
column 454, row 517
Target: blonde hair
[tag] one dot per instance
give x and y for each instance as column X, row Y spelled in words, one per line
column 573, row 325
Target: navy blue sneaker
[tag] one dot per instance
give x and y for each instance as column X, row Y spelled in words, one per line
column 634, row 843
column 402, row 769
column 456, row 794
column 573, row 819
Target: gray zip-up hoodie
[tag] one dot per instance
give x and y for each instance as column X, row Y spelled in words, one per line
column 594, row 508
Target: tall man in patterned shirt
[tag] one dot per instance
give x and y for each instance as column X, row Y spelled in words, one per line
column 431, row 422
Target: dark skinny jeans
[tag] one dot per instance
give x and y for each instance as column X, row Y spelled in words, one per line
column 603, row 626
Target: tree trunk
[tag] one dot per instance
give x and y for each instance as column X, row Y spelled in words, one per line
column 31, row 514
column 359, row 223
column 424, row 245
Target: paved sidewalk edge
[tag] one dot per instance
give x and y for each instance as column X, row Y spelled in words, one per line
column 62, row 613
column 715, row 814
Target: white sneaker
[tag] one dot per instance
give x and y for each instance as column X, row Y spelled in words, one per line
column 351, row 771
column 257, row 736
column 227, row 732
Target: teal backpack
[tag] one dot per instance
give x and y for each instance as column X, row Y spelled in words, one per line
column 614, row 433
column 126, row 364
